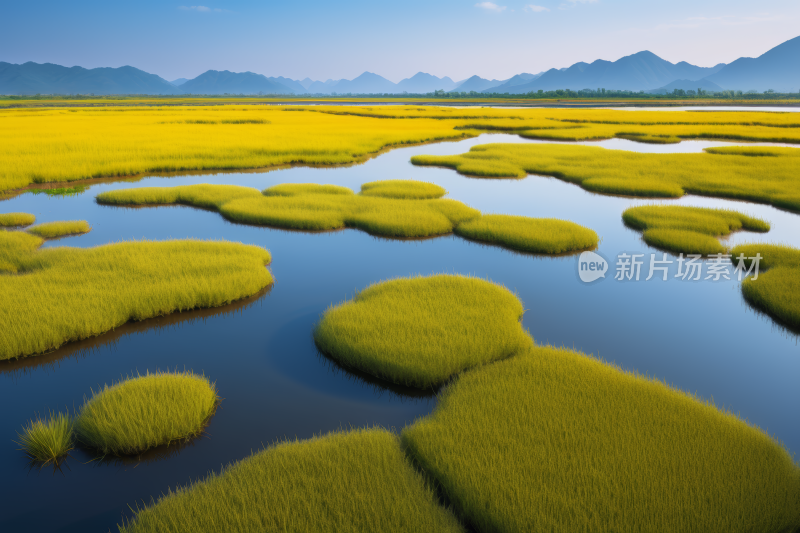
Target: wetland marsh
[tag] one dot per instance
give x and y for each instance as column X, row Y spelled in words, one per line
column 700, row 336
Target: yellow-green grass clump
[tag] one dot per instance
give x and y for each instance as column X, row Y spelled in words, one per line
column 533, row 235
column 553, row 440
column 776, row 291
column 421, row 331
column 403, row 189
column 690, row 230
column 149, row 410
column 47, row 440
column 16, row 219
column 359, row 481
column 53, row 230
column 309, row 207
column 723, row 173
column 63, row 294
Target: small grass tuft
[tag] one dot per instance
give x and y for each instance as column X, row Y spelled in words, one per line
column 53, row 230
column 47, row 440
column 146, row 411
column 533, row 235
column 16, row 219
column 689, row 230
column 421, row 331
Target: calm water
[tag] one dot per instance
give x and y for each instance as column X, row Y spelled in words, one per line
column 699, row 336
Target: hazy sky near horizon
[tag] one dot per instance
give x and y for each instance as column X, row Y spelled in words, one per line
column 321, row 40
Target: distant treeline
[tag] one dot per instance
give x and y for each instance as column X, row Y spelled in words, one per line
column 560, row 94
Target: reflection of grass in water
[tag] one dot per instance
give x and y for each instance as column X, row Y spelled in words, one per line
column 61, row 191
column 16, row 219
column 149, row 410
column 47, row 440
column 354, row 481
column 776, row 291
column 723, row 172
column 557, row 441
column 419, row 332
column 63, row 294
column 689, row 230
column 533, row 235
column 52, row 230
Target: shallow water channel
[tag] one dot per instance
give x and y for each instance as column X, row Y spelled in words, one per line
column 699, row 336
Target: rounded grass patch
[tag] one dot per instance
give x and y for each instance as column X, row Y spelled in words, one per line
column 10, row 220
column 403, row 189
column 420, row 331
column 533, row 235
column 553, row 440
column 150, row 410
column 53, row 230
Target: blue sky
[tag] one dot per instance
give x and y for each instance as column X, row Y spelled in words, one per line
column 394, row 39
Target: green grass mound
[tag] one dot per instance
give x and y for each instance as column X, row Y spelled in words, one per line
column 63, row 294
column 403, row 189
column 47, row 440
column 53, row 230
column 420, row 331
column 776, row 291
column 299, row 189
column 722, row 173
column 689, row 230
column 309, row 207
column 534, row 235
column 140, row 413
column 16, row 219
column 358, row 481
column 556, row 441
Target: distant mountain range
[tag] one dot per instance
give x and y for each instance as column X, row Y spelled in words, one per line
column 778, row 69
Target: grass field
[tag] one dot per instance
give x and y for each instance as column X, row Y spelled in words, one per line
column 421, row 331
column 47, row 440
column 47, row 145
column 359, row 481
column 53, row 230
column 62, row 294
column 553, row 440
column 146, row 411
column 533, row 235
column 765, row 175
column 689, row 230
column 16, row 219
column 776, row 290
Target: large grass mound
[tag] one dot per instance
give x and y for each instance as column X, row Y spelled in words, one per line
column 767, row 176
column 313, row 207
column 533, row 235
column 689, row 230
column 556, row 441
column 776, row 291
column 358, row 481
column 421, row 331
column 140, row 413
column 56, row 295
